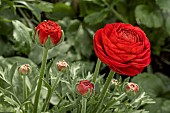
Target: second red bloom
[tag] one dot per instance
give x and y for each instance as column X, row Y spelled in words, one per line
column 49, row 28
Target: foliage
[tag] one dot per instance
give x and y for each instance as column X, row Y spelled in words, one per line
column 65, row 97
column 159, row 88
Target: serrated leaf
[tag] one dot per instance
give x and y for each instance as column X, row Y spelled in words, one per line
column 11, row 101
column 96, row 17
column 147, row 16
column 6, row 92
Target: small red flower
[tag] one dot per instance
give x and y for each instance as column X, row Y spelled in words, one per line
column 132, row 86
column 49, row 28
column 84, row 86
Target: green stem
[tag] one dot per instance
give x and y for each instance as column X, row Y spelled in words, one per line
column 43, row 65
column 96, row 71
column 83, row 109
column 119, row 16
column 24, row 92
column 104, row 90
column 45, row 105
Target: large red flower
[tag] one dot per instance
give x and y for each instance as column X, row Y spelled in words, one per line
column 123, row 47
column 49, row 28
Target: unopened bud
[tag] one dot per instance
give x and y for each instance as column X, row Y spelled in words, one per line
column 25, row 69
column 61, row 65
column 132, row 86
column 84, row 86
column 114, row 83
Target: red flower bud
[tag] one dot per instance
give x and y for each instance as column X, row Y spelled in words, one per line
column 132, row 86
column 61, row 65
column 84, row 86
column 25, row 69
column 48, row 29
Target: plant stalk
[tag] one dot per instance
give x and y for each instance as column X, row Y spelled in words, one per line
column 83, row 109
column 96, row 71
column 42, row 70
column 45, row 105
column 25, row 92
column 104, row 91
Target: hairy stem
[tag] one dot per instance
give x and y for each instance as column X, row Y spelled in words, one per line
column 43, row 65
column 104, row 91
column 96, row 71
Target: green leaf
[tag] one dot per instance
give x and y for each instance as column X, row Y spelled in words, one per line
column 11, row 101
column 167, row 24
column 165, row 107
column 6, row 92
column 62, row 48
column 72, row 27
column 145, row 80
column 149, row 17
column 22, row 36
column 44, row 6
column 9, row 76
column 36, row 54
column 37, row 8
column 54, row 100
column 155, row 108
column 84, row 47
column 21, row 32
column 47, row 86
column 7, row 48
column 96, row 17
column 163, row 4
column 59, row 11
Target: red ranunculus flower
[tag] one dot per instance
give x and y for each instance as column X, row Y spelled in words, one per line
column 84, row 86
column 123, row 47
column 49, row 28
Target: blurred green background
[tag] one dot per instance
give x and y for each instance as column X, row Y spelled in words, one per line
column 80, row 19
